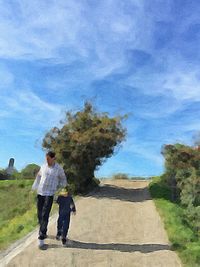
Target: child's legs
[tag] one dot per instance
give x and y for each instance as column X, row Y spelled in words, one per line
column 66, row 223
column 60, row 224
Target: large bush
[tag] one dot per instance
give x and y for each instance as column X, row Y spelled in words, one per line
column 30, row 171
column 3, row 174
column 182, row 174
column 83, row 143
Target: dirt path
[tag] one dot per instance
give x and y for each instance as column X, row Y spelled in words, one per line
column 117, row 226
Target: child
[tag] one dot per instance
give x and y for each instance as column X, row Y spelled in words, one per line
column 66, row 206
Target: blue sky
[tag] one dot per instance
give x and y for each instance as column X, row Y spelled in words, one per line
column 135, row 57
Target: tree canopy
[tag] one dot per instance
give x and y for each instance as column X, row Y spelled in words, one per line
column 85, row 140
column 182, row 174
column 30, row 171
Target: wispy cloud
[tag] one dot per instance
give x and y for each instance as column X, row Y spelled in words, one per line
column 28, row 111
column 138, row 57
column 144, row 150
column 185, row 85
column 66, row 32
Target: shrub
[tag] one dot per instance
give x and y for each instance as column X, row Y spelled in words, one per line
column 30, row 171
column 119, row 176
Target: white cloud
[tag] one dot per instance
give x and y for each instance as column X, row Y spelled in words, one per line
column 184, row 84
column 146, row 151
column 28, row 109
column 38, row 29
column 180, row 83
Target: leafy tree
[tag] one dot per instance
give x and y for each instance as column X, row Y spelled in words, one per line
column 85, row 140
column 193, row 217
column 179, row 163
column 119, row 176
column 30, row 171
column 182, row 174
column 3, row 175
column 15, row 175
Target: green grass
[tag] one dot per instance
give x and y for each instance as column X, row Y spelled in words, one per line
column 17, row 210
column 182, row 237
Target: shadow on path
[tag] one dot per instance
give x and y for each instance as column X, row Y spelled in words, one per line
column 121, row 193
column 144, row 248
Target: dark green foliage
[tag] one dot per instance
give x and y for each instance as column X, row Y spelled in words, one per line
column 20, row 228
column 3, row 175
column 83, row 143
column 30, row 171
column 183, row 177
column 160, row 189
column 192, row 214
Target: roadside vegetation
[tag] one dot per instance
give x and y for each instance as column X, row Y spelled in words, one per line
column 17, row 210
column 29, row 172
column 124, row 176
column 120, row 176
column 177, row 198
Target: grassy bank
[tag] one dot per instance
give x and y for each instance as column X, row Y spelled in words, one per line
column 183, row 238
column 17, row 210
